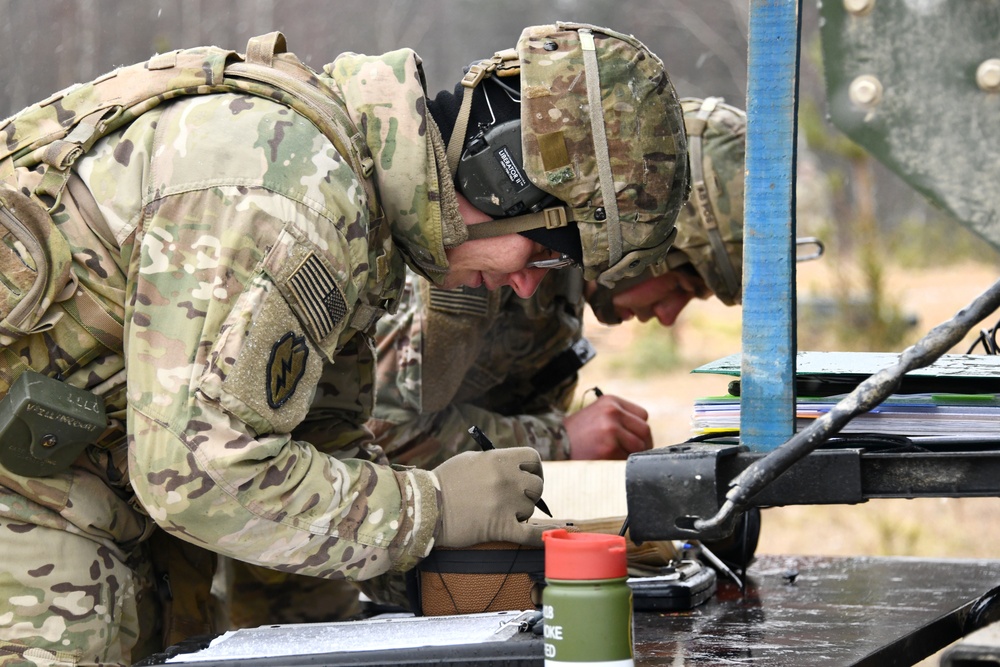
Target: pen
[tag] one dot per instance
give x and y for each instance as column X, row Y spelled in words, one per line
column 486, row 445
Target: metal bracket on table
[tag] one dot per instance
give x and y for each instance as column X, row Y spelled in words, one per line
column 669, row 488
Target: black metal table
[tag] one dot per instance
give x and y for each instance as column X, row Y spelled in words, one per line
column 835, row 611
column 796, row 610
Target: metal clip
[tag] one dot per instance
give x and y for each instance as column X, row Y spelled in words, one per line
column 807, row 241
column 485, row 68
column 524, row 621
column 475, row 74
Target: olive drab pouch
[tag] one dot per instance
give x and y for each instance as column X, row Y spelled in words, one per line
column 44, row 424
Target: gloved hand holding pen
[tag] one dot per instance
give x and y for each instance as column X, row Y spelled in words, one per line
column 487, row 445
column 488, row 496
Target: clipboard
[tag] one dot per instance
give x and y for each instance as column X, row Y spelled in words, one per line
column 832, row 373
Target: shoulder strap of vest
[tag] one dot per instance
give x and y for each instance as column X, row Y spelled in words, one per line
column 52, row 134
column 267, row 66
column 56, row 131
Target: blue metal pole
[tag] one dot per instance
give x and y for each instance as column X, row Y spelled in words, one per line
column 768, row 368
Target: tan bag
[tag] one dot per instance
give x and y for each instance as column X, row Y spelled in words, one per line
column 494, row 576
column 503, row 576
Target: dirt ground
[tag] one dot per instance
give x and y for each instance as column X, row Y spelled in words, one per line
column 965, row 528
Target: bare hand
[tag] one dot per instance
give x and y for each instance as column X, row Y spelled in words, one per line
column 662, row 297
column 608, row 428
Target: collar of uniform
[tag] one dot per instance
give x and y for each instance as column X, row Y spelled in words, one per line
column 386, row 100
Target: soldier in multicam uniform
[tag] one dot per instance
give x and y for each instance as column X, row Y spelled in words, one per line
column 217, row 265
column 448, row 359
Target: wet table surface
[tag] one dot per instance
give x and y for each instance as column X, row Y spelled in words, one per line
column 836, row 611
column 862, row 612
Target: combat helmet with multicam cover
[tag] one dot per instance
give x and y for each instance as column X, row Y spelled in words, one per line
column 710, row 226
column 602, row 132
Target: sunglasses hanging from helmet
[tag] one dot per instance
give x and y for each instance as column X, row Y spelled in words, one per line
column 560, row 262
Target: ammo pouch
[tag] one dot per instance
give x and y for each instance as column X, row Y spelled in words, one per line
column 493, row 576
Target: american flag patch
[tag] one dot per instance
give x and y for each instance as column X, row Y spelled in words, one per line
column 322, row 303
column 463, row 301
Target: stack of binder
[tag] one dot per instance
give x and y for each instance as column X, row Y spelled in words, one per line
column 955, row 399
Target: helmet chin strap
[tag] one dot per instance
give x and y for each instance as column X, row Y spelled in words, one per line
column 549, row 218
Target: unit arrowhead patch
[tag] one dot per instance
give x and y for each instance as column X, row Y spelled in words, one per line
column 285, row 368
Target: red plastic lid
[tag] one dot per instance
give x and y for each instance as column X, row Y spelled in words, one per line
column 584, row 555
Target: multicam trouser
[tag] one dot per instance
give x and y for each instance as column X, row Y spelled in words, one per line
column 122, row 606
column 52, row 600
column 86, row 579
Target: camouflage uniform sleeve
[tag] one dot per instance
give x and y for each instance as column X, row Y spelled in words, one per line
column 249, row 252
column 426, row 440
column 450, row 360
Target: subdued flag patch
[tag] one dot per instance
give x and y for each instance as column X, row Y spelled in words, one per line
column 462, row 301
column 320, row 299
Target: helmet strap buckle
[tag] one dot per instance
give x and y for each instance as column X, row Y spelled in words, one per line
column 555, row 217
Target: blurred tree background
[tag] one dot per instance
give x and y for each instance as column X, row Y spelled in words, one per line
column 48, row 44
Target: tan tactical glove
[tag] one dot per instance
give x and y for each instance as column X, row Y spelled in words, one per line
column 487, row 497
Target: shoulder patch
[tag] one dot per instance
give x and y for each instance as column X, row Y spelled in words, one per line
column 321, row 300
column 285, row 368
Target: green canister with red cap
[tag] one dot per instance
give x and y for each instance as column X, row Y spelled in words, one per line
column 586, row 605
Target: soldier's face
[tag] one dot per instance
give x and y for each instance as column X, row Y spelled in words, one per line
column 494, row 262
column 662, row 297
